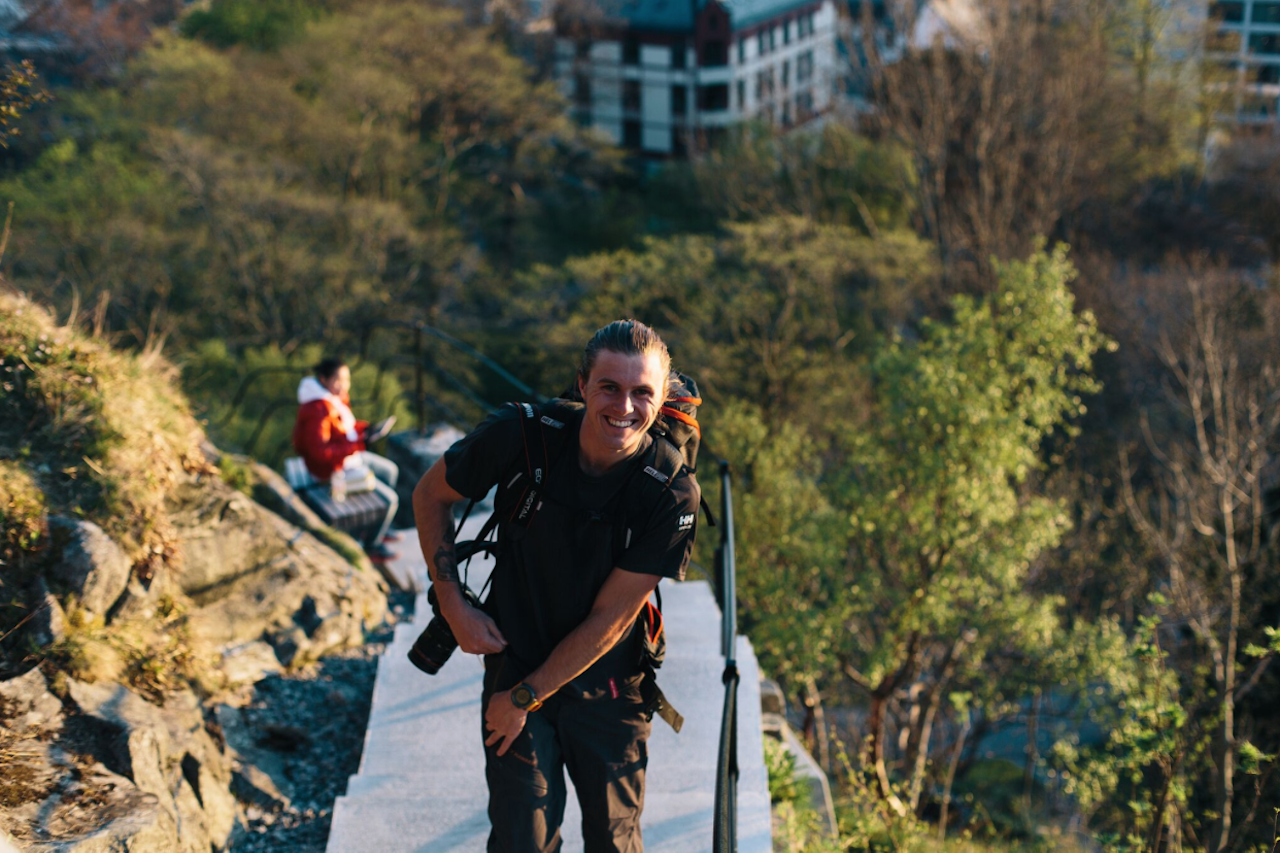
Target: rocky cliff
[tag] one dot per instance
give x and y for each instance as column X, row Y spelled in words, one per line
column 138, row 591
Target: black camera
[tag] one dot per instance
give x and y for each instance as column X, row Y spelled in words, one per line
column 436, row 643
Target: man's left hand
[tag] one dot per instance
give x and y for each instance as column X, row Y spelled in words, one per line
column 503, row 720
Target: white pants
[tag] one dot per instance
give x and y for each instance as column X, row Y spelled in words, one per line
column 385, row 474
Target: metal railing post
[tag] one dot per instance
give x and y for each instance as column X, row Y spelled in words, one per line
column 419, row 393
column 728, row 569
column 724, row 835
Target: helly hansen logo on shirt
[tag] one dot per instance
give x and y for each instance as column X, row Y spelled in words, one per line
column 686, row 522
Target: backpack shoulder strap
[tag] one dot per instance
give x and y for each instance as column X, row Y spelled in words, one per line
column 544, row 432
column 662, row 464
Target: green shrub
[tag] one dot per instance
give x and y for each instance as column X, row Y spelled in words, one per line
column 259, row 24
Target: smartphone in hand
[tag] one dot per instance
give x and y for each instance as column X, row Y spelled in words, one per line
column 380, row 430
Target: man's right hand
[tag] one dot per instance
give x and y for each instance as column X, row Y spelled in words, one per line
column 475, row 631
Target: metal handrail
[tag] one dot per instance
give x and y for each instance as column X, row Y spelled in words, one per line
column 417, row 359
column 725, row 829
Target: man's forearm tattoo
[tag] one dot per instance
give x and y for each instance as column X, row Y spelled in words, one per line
column 446, row 563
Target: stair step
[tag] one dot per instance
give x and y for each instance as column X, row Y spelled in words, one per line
column 671, row 823
column 421, row 782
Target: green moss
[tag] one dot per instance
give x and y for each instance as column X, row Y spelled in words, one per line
column 153, row 655
column 22, row 512
column 344, row 545
column 236, row 474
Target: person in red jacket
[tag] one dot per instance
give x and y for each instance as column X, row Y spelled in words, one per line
column 329, row 438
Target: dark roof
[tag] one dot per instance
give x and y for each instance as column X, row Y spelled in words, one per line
column 677, row 15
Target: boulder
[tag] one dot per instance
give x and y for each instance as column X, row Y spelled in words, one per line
column 248, row 663
column 256, row 577
column 265, row 778
column 167, row 752
column 302, row 597
column 26, row 705
column 102, row 812
column 253, row 787
column 87, row 563
column 49, row 624
column 223, row 534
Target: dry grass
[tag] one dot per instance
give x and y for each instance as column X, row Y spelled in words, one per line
column 102, row 434
column 153, row 655
column 90, row 432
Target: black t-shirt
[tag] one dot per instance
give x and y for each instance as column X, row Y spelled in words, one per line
column 546, row 581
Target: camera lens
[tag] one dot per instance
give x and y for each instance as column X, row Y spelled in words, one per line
column 433, row 647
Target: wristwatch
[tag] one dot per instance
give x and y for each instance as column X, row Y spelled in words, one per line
column 523, row 697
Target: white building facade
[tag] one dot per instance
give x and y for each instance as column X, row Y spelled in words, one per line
column 661, row 78
column 1248, row 45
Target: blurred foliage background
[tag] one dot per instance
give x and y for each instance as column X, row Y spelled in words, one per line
column 1007, row 510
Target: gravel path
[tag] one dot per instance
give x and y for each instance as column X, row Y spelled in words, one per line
column 312, row 724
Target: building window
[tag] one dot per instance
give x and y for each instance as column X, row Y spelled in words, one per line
column 804, row 105
column 631, row 96
column 631, row 133
column 804, row 67
column 773, row 38
column 714, row 54
column 1229, row 12
column 786, row 73
column 714, row 97
column 786, row 32
column 582, row 90
column 786, row 113
column 742, row 50
column 678, row 53
column 764, row 85
column 1259, row 43
column 679, row 100
column 1266, row 13
column 1268, row 74
column 631, row 51
column 679, row 144
column 742, row 96
column 583, row 49
column 762, row 43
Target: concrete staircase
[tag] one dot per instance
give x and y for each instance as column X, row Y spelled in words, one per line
column 421, row 782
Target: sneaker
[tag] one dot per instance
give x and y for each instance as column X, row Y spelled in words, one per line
column 392, row 536
column 381, row 554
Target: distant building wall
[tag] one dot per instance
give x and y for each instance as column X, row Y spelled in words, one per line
column 658, row 90
column 1247, row 44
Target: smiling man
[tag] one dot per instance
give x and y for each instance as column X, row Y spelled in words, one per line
column 603, row 513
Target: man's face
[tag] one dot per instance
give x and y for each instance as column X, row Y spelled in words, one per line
column 623, row 395
column 339, row 383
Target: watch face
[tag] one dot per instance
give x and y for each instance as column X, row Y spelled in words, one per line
column 521, row 696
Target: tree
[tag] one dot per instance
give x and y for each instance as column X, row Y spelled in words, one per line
column 772, row 312
column 1202, row 504
column 357, row 169
column 941, row 529
column 1018, row 115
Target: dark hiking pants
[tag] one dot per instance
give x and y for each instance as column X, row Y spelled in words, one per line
column 601, row 742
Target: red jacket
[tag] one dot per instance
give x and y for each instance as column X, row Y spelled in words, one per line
column 318, row 435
